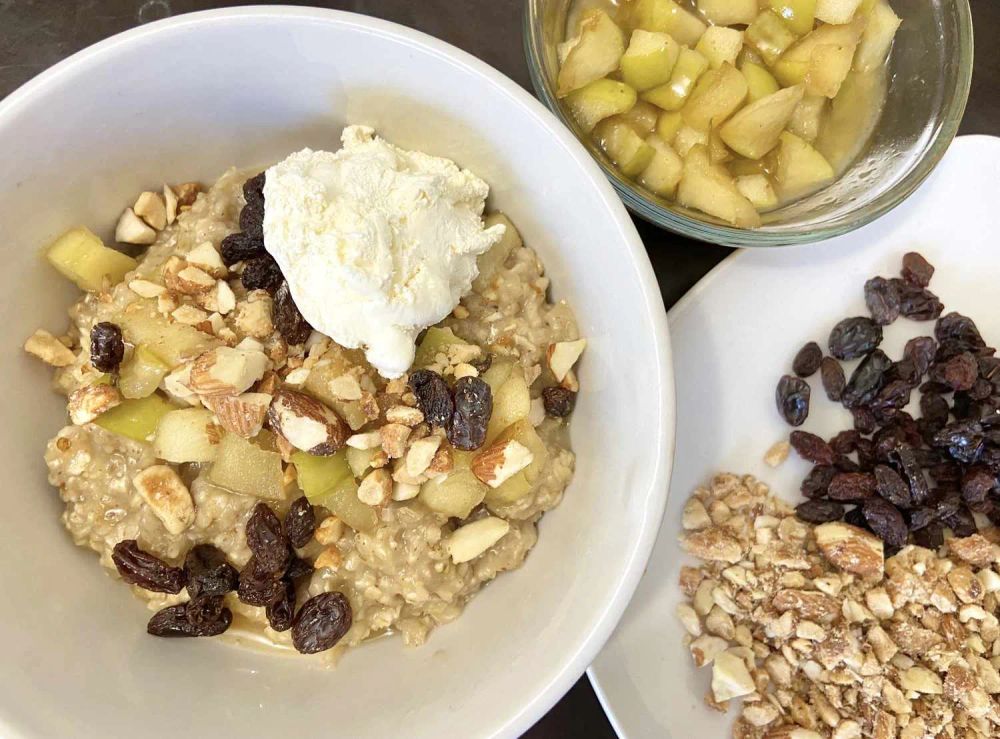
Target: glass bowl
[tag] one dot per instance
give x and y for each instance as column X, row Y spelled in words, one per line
column 930, row 69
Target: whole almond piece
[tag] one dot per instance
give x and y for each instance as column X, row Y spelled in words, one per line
column 306, row 424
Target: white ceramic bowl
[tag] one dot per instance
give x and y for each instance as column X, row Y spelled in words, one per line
column 184, row 99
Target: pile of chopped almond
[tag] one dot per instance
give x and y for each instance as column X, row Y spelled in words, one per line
column 820, row 636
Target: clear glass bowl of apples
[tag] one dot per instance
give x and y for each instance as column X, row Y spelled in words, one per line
column 756, row 122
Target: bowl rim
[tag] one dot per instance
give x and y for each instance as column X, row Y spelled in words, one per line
column 702, row 230
column 558, row 675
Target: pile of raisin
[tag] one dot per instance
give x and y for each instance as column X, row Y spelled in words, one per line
column 905, row 479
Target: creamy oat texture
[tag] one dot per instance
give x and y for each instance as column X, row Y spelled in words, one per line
column 377, row 243
column 398, row 577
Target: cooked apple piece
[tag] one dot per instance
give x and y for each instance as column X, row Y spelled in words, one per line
column 807, row 117
column 435, row 341
column 795, row 65
column 649, row 59
column 720, row 45
column 521, row 483
column 687, row 138
column 748, row 54
column 141, row 375
column 316, row 475
column 599, row 100
column 769, row 36
column 741, row 167
column 491, row 262
column 717, row 95
column 456, row 493
column 760, row 82
column 82, row 257
column 876, row 41
column 642, row 117
column 668, row 124
column 359, row 460
column 672, row 95
column 664, row 170
column 754, row 130
column 836, row 11
column 828, row 68
column 511, row 402
column 800, row 168
column 498, row 373
column 137, row 419
column 595, row 55
column 758, row 190
column 174, row 343
column 709, row 188
column 718, row 152
column 244, row 467
column 729, row 12
column 624, row 146
column 852, row 117
column 798, row 15
column 337, row 362
column 187, row 435
column 666, row 16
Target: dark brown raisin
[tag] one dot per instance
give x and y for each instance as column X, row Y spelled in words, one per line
column 981, row 389
column 819, row 511
column 866, row 454
column 882, row 300
column 792, row 398
column 916, row 270
column 864, row 420
column 298, row 568
column 832, row 375
column 855, row 337
column 262, row 273
column 146, row 570
column 849, row 486
column 866, row 380
column 321, row 622
column 962, row 523
column 433, row 397
column 807, row 360
column 846, row 464
column 558, row 401
column 959, row 372
column 252, row 219
column 856, row 518
column 963, row 440
column 894, row 395
column 473, row 408
column 977, row 483
column 920, row 351
column 258, row 587
column 885, row 520
column 239, row 247
column 934, row 408
column 811, row 447
column 891, row 486
column 267, row 541
column 207, row 617
column 845, row 442
column 906, row 462
column 290, row 324
column 960, row 328
column 818, row 480
column 107, row 348
column 300, row 522
column 281, row 611
column 482, row 363
column 209, row 572
column 253, row 189
column 917, row 303
column 930, row 536
column 922, row 517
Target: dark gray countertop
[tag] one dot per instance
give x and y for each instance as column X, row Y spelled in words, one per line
column 34, row 34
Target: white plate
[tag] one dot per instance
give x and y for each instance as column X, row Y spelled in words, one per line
column 734, row 335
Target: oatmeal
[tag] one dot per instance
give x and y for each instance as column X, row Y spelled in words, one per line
column 219, row 442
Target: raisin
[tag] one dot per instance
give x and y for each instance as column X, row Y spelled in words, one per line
column 298, row 568
column 807, row 360
column 891, row 486
column 207, row 617
column 959, row 373
column 856, row 518
column 887, row 440
column 981, row 389
column 558, row 401
column 916, row 270
column 906, row 463
column 819, row 511
column 917, row 303
column 893, row 396
column 107, row 348
column 882, row 300
column 848, row 486
column 281, row 611
column 287, row 319
column 253, row 189
column 855, row 337
column 262, row 273
column 832, row 375
column 300, row 522
column 866, row 380
column 811, row 447
column 866, row 454
column 258, row 587
column 433, row 397
column 482, row 363
column 252, row 219
column 208, row 572
column 977, row 483
column 817, row 482
column 920, row 351
column 846, row 464
column 945, row 473
column 934, row 408
column 962, row 328
column 146, row 570
column 963, row 440
column 922, row 517
column 239, row 247
column 792, row 398
column 885, row 520
column 864, row 420
column 962, row 524
column 904, row 371
column 845, row 442
column 473, row 408
column 930, row 536
column 267, row 541
column 321, row 623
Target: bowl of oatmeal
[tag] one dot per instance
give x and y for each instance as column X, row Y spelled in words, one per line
column 361, row 388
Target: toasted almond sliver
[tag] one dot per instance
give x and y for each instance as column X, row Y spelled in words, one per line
column 49, row 349
column 150, row 207
column 471, row 540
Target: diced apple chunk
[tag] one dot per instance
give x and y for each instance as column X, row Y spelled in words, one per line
column 720, row 45
column 798, row 15
column 521, row 483
column 836, row 11
column 740, row 166
column 649, row 59
column 174, row 343
column 769, row 36
column 322, row 381
column 687, row 138
column 82, row 257
column 624, row 146
column 595, row 55
column 808, row 117
column 760, row 82
column 796, row 64
column 498, row 373
column 828, row 68
column 456, row 493
column 342, row 501
column 137, row 419
column 245, row 468
column 758, row 190
column 718, row 94
column 142, row 374
column 436, row 340
column 709, row 188
column 316, row 475
column 729, row 12
column 666, row 16
column 668, row 124
column 187, row 435
column 876, row 41
column 672, row 95
column 664, row 170
column 511, row 403
column 755, row 129
column 642, row 117
column 852, row 117
column 800, row 168
column 599, row 100
column 718, row 152
column 491, row 262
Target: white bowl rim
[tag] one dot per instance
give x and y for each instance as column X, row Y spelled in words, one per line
column 559, row 676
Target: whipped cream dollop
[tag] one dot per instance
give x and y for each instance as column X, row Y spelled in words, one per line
column 376, row 242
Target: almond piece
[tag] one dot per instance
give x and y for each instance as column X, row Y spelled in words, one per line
column 189, row 315
column 253, row 316
column 563, row 355
column 88, row 402
column 49, row 349
column 405, row 415
column 187, row 193
column 226, row 371
column 730, row 677
column 133, row 230
column 394, row 437
column 404, row 491
column 367, row 440
column 471, row 540
column 186, row 279
column 442, row 463
column 329, row 531
column 167, row 496
column 178, row 385
column 146, row 289
column 851, row 549
column 713, row 545
column 149, row 206
column 977, row 550
column 205, row 257
column 345, row 387
column 500, row 461
column 376, row 489
column 330, row 559
column 169, row 203
column 243, row 414
column 306, row 424
column 777, row 454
